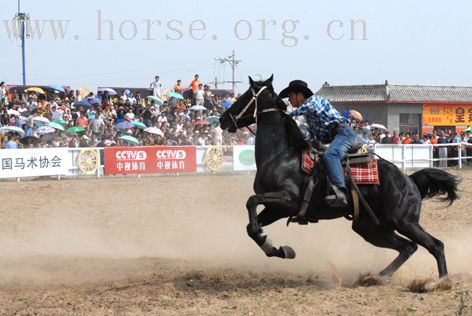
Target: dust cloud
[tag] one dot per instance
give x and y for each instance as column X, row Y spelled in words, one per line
column 74, row 231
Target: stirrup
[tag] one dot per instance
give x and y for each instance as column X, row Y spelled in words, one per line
column 338, row 199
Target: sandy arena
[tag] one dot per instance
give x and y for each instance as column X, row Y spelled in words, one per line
column 178, row 246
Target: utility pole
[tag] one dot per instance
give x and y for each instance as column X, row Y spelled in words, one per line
column 21, row 20
column 216, row 82
column 233, row 62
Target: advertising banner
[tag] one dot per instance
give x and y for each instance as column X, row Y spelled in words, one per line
column 156, row 159
column 447, row 115
column 244, row 158
column 17, row 163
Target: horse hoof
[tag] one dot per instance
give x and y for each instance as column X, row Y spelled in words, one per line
column 368, row 279
column 288, row 252
column 429, row 285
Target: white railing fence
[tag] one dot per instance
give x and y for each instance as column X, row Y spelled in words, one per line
column 423, row 155
column 63, row 162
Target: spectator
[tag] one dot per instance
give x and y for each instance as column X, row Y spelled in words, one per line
column 208, row 97
column 3, row 92
column 434, row 141
column 200, row 95
column 194, row 84
column 156, row 86
column 82, row 121
column 469, row 148
column 442, row 151
column 387, row 139
column 416, row 140
column 395, row 138
column 10, row 143
column 407, row 139
column 178, row 87
column 425, row 139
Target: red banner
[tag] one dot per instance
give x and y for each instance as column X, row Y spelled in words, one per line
column 156, row 159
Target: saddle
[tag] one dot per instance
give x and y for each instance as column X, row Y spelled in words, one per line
column 357, row 154
column 360, row 167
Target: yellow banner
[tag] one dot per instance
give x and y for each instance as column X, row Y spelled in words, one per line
column 447, row 115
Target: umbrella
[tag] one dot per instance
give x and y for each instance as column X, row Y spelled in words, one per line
column 35, row 89
column 56, row 126
column 56, row 87
column 60, row 121
column 94, row 100
column 13, row 112
column 41, row 119
column 45, row 129
column 175, row 95
column 198, row 108
column 202, row 122
column 84, row 103
column 84, row 91
column 130, row 139
column 213, row 118
column 154, row 130
column 13, row 129
column 75, row 129
column 29, row 140
column 124, row 125
column 109, row 90
column 468, row 129
column 127, row 92
column 26, row 113
column 139, row 124
column 379, row 126
column 155, row 99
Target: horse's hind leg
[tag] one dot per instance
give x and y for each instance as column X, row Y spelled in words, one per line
column 385, row 237
column 272, row 200
column 418, row 235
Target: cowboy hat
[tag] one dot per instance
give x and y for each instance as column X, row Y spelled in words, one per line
column 297, row 86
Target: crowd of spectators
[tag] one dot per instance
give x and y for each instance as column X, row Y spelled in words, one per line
column 105, row 117
column 108, row 115
column 369, row 134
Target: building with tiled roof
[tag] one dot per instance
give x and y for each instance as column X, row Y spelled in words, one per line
column 407, row 108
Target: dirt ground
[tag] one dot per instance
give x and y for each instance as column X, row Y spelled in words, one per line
column 178, row 246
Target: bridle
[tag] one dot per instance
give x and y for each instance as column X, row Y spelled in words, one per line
column 254, row 99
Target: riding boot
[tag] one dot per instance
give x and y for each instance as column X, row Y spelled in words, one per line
column 338, row 199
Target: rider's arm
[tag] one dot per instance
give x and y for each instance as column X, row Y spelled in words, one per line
column 310, row 105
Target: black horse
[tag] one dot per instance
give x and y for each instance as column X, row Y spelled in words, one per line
column 279, row 185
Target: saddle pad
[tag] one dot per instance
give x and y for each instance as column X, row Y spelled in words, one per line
column 365, row 173
column 307, row 162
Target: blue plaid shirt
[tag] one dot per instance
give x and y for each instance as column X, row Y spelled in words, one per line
column 320, row 116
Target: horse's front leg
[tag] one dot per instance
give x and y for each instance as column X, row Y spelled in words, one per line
column 271, row 200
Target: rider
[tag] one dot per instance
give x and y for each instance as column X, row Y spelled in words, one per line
column 327, row 125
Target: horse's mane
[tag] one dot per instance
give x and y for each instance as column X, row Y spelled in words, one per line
column 295, row 136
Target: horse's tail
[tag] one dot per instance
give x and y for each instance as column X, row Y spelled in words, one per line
column 432, row 182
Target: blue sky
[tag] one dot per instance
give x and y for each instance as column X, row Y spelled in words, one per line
column 408, row 42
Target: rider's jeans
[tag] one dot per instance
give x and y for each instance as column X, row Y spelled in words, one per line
column 344, row 139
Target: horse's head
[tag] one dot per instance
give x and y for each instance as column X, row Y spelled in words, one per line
column 260, row 97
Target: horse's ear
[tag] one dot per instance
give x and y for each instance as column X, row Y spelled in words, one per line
column 251, row 82
column 269, row 81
